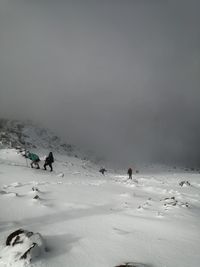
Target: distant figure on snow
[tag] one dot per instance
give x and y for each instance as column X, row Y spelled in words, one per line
column 35, row 159
column 130, row 172
column 48, row 161
column 102, row 170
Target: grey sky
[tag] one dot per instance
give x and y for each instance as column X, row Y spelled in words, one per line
column 119, row 77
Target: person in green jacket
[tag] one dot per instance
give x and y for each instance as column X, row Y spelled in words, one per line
column 34, row 160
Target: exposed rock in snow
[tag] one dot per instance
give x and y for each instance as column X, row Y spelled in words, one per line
column 36, row 197
column 35, row 189
column 184, row 183
column 172, row 201
column 21, row 245
column 133, row 264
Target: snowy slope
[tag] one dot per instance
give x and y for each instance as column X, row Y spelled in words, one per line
column 87, row 219
column 15, row 133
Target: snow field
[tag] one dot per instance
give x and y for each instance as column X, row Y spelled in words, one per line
column 92, row 220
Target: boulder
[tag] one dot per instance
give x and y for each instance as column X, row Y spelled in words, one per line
column 22, row 245
column 184, row 183
column 36, row 197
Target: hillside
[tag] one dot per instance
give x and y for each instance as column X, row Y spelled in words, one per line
column 15, row 133
column 86, row 219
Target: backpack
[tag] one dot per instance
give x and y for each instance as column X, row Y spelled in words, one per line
column 34, row 157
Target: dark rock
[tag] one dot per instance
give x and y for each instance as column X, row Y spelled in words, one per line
column 35, row 189
column 24, row 256
column 13, row 235
column 168, row 198
column 22, row 245
column 182, row 183
column 133, row 264
column 17, row 241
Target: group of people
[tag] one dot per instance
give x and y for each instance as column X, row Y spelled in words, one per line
column 50, row 159
column 35, row 160
column 129, row 172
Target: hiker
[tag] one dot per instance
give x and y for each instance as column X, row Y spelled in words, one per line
column 129, row 172
column 102, row 170
column 48, row 161
column 35, row 159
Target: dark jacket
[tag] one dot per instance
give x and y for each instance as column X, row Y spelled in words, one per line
column 49, row 159
column 102, row 170
column 130, row 171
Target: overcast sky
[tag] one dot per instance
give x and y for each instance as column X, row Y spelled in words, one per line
column 116, row 76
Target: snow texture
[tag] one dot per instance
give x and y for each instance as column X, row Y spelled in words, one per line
column 91, row 220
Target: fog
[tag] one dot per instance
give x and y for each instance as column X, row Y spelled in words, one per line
column 121, row 78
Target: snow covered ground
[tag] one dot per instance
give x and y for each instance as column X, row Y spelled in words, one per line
column 91, row 220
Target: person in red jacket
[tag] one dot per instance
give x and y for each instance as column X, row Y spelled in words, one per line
column 130, row 172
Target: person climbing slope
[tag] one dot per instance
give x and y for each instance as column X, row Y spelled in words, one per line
column 48, row 161
column 34, row 160
column 102, row 170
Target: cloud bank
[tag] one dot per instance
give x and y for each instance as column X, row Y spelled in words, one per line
column 117, row 77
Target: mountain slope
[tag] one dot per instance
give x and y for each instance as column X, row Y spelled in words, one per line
column 15, row 133
column 88, row 219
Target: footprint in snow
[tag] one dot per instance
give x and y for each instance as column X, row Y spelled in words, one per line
column 144, row 206
column 120, row 231
column 124, row 195
column 11, row 194
column 160, row 214
column 15, row 184
column 37, row 199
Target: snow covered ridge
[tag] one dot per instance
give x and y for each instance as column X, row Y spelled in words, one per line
column 15, row 133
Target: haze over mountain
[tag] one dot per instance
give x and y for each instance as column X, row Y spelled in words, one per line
column 118, row 77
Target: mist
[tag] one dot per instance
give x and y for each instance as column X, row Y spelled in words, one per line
column 121, row 78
